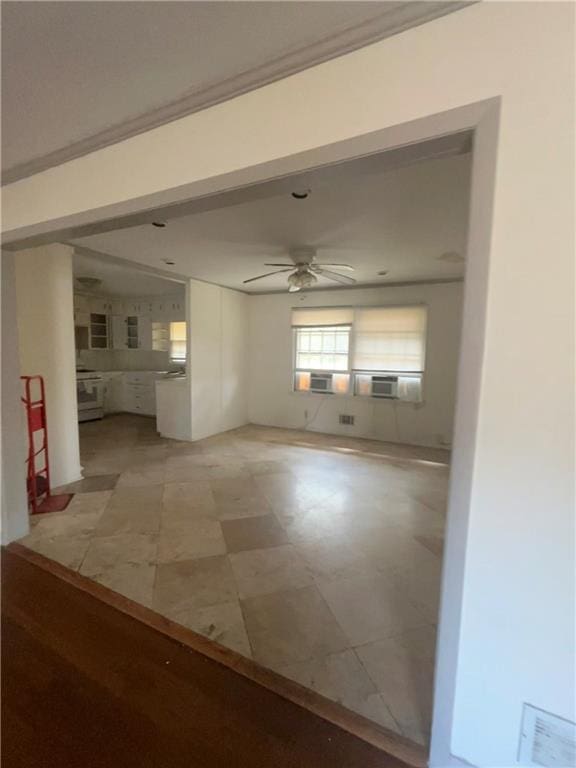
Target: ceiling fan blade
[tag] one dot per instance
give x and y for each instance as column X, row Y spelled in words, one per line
column 336, row 277
column 276, row 272
column 280, row 265
column 337, row 266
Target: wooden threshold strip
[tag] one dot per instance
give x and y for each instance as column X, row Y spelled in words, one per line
column 389, row 743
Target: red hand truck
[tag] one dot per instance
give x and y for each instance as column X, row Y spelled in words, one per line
column 40, row 498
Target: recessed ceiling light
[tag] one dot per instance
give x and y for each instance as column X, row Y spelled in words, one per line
column 383, row 272
column 452, row 257
column 159, row 224
column 301, row 194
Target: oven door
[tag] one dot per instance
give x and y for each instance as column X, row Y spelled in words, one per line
column 90, row 396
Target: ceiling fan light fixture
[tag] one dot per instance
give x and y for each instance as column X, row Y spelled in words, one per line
column 89, row 283
column 303, row 279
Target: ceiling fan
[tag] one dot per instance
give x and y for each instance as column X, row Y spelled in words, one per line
column 305, row 269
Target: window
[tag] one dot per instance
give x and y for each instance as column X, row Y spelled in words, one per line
column 322, row 349
column 390, row 339
column 383, row 347
column 178, row 342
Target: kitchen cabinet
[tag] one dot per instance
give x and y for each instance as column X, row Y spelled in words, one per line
column 81, row 303
column 81, row 319
column 130, row 391
column 119, row 335
column 175, row 310
column 139, row 312
column 113, row 391
column 132, row 336
column 145, row 333
column 100, row 305
column 118, row 307
column 99, row 331
column 81, row 310
column 137, row 307
column 140, row 393
column 131, row 332
column 167, row 310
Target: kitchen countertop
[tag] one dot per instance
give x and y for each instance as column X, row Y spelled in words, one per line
column 171, row 379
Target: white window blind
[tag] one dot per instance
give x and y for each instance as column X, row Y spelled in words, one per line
column 390, row 338
column 331, row 316
column 178, row 342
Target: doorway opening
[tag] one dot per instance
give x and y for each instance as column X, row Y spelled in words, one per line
column 304, row 477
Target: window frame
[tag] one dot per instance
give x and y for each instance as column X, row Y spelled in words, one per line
column 347, row 372
column 177, row 360
column 296, row 369
column 353, row 372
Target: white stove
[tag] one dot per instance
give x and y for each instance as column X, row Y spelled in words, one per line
column 90, row 395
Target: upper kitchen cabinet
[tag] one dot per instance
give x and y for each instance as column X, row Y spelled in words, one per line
column 131, row 332
column 174, row 309
column 119, row 307
column 81, row 303
column 99, row 331
column 100, row 305
column 81, row 311
column 139, row 307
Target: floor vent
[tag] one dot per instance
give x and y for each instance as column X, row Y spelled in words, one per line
column 546, row 739
column 345, row 418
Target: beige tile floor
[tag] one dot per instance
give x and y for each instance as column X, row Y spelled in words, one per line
column 317, row 556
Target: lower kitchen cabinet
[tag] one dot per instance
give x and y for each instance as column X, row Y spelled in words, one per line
column 113, row 391
column 131, row 392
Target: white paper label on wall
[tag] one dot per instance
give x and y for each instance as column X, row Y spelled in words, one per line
column 546, row 739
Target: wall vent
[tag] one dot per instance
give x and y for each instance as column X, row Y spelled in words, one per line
column 346, row 418
column 546, row 739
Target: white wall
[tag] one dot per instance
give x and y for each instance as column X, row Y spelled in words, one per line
column 44, row 290
column 13, row 435
column 516, row 533
column 217, row 358
column 272, row 401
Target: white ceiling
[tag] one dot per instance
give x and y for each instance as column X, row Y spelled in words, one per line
column 80, row 75
column 397, row 219
column 121, row 279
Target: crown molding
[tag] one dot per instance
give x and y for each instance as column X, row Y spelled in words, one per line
column 390, row 22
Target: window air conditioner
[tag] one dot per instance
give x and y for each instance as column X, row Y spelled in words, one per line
column 385, row 386
column 321, row 382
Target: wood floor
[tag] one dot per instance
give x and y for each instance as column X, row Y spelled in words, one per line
column 91, row 679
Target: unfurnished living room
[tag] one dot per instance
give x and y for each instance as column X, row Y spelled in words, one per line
column 287, row 479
